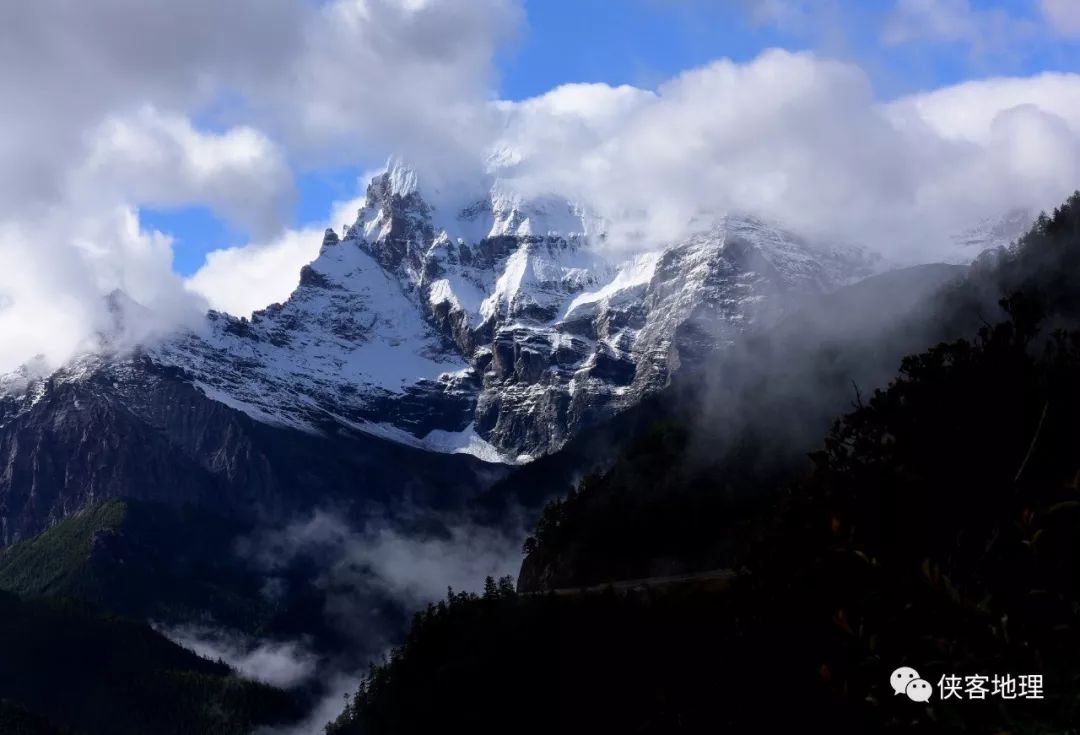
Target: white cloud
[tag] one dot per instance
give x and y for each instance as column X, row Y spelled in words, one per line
column 168, row 162
column 412, row 568
column 240, row 280
column 943, row 20
column 364, row 571
column 65, row 67
column 790, row 16
column 418, row 569
column 966, row 111
column 410, row 76
column 804, row 140
column 989, row 145
column 55, row 270
column 1063, row 16
column 332, row 80
column 42, row 307
column 785, row 134
column 985, row 31
column 794, row 137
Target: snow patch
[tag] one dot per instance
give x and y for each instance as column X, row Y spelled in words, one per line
column 402, row 178
column 637, row 272
column 508, row 284
column 466, row 441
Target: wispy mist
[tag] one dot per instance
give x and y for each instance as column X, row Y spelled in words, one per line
column 370, row 579
column 412, row 566
column 285, row 664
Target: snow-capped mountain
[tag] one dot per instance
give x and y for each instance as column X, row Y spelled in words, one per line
column 501, row 328
column 991, row 233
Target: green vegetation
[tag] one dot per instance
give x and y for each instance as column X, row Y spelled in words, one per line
column 939, row 528
column 140, row 559
column 91, row 674
column 55, row 563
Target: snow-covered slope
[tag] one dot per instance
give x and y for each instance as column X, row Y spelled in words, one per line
column 499, row 328
column 989, row 234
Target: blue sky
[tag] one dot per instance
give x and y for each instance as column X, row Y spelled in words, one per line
column 645, row 42
column 197, row 230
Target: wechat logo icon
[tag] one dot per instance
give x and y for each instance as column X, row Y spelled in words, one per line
column 906, row 680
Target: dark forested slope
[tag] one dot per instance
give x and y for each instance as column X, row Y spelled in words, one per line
column 96, row 675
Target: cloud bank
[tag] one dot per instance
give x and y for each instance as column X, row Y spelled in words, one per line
column 284, row 664
column 240, row 280
column 411, row 567
column 803, row 140
column 372, row 578
column 222, row 106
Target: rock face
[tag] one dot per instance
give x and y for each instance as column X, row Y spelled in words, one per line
column 500, row 328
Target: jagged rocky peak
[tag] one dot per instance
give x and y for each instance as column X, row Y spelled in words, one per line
column 396, row 206
column 394, row 213
column 19, row 381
